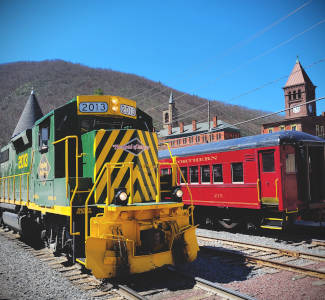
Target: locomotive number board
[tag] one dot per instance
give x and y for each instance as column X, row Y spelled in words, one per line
column 106, row 105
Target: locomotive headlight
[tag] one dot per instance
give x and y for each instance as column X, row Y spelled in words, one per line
column 177, row 194
column 114, row 108
column 121, row 196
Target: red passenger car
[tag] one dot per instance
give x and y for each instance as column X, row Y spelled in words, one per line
column 264, row 181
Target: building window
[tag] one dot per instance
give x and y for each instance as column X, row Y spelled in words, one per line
column 217, row 173
column 184, row 141
column 294, row 95
column 178, row 142
column 166, row 118
column 184, row 172
column 197, row 138
column 317, row 130
column 237, row 172
column 194, row 174
column 289, row 96
column 205, row 174
column 282, row 127
column 299, row 94
column 268, row 161
column 270, row 130
column 191, row 140
column 294, row 127
column 322, row 131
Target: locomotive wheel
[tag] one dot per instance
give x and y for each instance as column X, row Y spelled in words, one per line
column 228, row 223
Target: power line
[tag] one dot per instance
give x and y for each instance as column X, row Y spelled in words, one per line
column 245, row 93
column 261, row 55
column 271, row 114
column 277, row 112
column 236, row 46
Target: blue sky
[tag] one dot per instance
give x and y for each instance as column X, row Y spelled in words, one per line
column 213, row 49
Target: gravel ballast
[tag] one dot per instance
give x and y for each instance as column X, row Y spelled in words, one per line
column 23, row 276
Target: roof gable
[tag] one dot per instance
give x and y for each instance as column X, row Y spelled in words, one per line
column 298, row 76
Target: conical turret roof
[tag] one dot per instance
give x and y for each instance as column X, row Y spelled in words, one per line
column 298, row 76
column 31, row 113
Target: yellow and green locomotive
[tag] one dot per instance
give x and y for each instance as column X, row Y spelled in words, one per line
column 85, row 178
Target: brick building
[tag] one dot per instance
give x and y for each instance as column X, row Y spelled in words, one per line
column 197, row 133
column 301, row 115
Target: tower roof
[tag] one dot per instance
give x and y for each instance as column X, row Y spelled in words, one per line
column 298, row 76
column 31, row 113
column 171, row 98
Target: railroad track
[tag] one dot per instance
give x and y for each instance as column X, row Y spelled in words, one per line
column 104, row 289
column 75, row 273
column 265, row 256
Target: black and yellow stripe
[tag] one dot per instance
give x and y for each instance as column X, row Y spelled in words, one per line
column 108, row 148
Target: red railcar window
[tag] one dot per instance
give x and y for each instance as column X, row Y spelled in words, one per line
column 217, row 173
column 194, row 174
column 237, row 172
column 184, row 172
column 268, row 161
column 205, row 174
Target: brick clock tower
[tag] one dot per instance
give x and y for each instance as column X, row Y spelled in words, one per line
column 298, row 90
column 170, row 115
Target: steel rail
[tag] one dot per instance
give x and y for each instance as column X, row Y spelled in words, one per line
column 292, row 253
column 267, row 262
column 129, row 293
column 215, row 288
column 318, row 243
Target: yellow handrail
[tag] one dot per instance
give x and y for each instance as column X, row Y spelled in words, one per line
column 276, row 188
column 66, row 160
column 188, row 189
column 5, row 179
column 258, row 190
column 107, row 167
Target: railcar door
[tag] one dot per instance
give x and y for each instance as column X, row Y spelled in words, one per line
column 290, row 178
column 268, row 178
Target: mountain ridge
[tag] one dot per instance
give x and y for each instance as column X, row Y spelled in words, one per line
column 56, row 81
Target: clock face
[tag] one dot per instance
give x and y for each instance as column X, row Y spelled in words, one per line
column 296, row 109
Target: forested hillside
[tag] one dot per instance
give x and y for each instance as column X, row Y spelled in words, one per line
column 56, row 81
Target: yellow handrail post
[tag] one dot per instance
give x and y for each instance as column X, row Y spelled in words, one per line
column 14, row 188
column 8, row 187
column 276, row 189
column 131, row 183
column 258, row 190
column 20, row 189
column 66, row 139
column 107, row 184
column 66, row 156
column 158, row 196
column 28, row 189
column 88, row 197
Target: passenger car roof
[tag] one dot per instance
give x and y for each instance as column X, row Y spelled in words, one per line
column 255, row 141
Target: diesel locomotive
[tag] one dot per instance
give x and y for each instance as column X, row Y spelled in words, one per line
column 85, row 178
column 265, row 181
